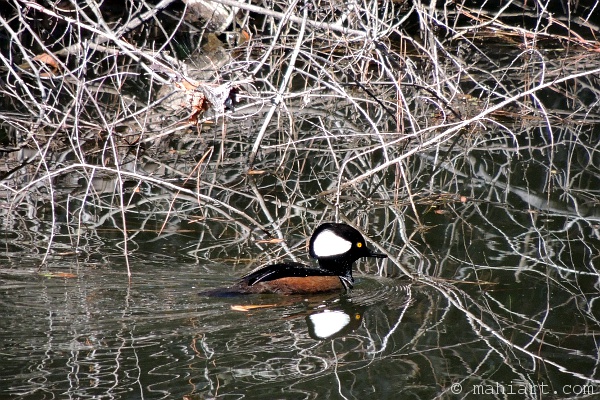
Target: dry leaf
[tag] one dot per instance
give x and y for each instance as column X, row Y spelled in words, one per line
column 256, row 172
column 250, row 307
column 58, row 275
column 47, row 59
column 270, row 241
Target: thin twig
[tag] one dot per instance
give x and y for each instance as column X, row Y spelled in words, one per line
column 282, row 89
column 297, row 20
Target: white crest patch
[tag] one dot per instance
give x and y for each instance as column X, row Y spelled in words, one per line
column 328, row 323
column 328, row 244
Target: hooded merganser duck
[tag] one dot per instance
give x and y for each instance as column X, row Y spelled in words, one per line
column 335, row 246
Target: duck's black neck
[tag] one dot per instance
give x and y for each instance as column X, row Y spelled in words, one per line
column 340, row 266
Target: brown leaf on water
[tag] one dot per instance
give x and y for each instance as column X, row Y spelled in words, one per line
column 256, row 172
column 58, row 275
column 250, row 307
column 270, row 241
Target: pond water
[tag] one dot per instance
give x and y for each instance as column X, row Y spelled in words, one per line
column 465, row 152
column 97, row 335
column 79, row 329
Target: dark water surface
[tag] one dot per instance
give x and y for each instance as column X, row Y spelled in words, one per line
column 502, row 302
column 93, row 335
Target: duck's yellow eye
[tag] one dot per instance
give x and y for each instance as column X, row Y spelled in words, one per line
column 359, row 245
